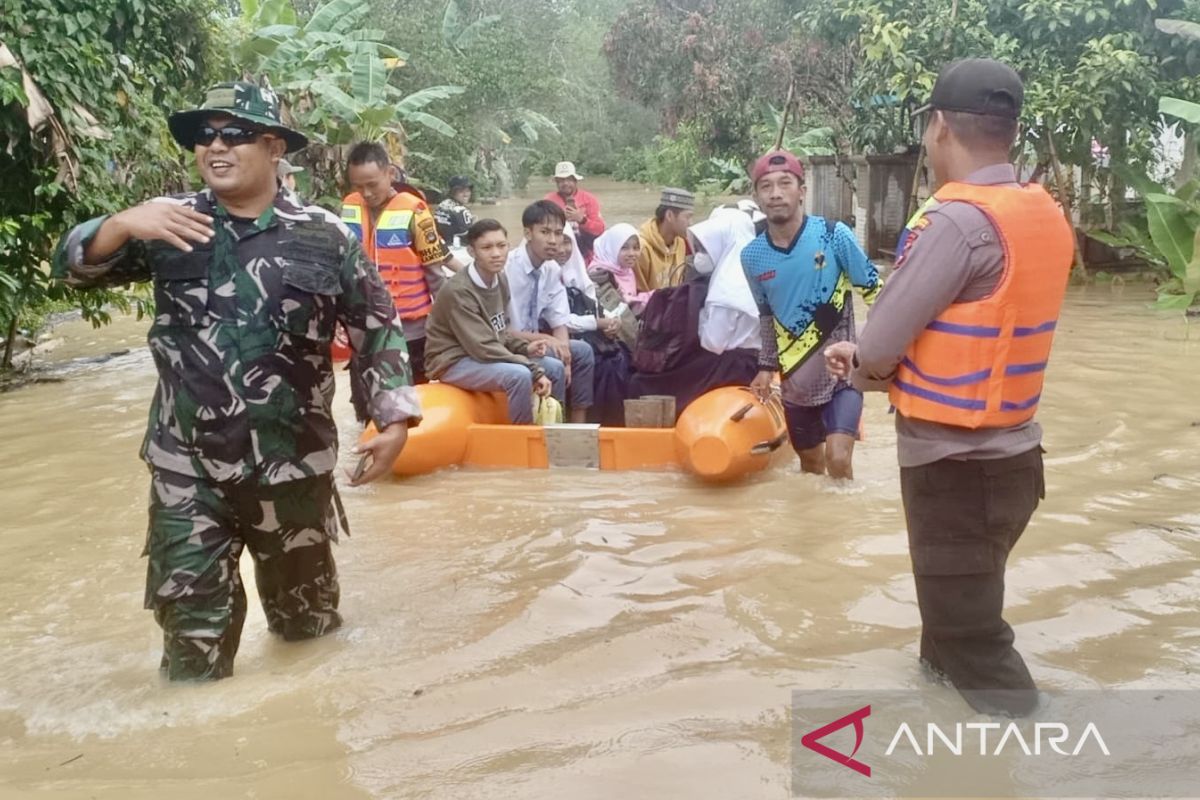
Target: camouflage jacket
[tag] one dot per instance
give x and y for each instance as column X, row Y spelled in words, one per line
column 241, row 339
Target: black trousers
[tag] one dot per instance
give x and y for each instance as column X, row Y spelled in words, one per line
column 416, row 360
column 964, row 517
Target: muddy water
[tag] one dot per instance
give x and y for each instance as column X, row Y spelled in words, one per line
column 573, row 634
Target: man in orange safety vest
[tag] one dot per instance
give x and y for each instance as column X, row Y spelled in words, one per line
column 959, row 338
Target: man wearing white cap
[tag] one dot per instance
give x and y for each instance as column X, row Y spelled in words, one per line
column 286, row 172
column 581, row 207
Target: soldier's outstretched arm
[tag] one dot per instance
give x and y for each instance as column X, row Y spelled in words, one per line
column 366, row 310
column 98, row 252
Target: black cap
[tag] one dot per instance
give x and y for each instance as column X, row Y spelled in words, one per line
column 977, row 86
column 460, row 182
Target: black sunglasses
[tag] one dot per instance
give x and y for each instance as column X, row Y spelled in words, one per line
column 231, row 135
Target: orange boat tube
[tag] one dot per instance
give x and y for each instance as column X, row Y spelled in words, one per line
column 722, row 436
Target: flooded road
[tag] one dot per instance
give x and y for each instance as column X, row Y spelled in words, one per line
column 573, row 634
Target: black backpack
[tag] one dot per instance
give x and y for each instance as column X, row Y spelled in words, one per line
column 670, row 323
column 670, row 327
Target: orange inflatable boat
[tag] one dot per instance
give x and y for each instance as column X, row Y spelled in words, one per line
column 723, row 435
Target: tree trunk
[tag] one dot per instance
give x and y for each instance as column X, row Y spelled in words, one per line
column 1065, row 196
column 948, row 36
column 1115, row 204
column 1038, row 172
column 1187, row 169
column 9, row 342
column 911, row 206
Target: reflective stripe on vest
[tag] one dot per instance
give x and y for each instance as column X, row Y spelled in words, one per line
column 388, row 244
column 353, row 217
column 982, row 364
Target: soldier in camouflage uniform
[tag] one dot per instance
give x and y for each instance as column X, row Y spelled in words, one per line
column 241, row 442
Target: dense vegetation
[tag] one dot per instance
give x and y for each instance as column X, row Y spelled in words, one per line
column 668, row 91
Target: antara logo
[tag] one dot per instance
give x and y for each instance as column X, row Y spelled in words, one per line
column 855, row 718
column 1050, row 734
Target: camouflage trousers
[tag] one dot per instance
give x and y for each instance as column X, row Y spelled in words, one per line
column 196, row 534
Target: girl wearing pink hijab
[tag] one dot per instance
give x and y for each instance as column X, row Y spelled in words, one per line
column 615, row 255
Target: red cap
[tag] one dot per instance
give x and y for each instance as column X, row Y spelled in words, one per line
column 777, row 161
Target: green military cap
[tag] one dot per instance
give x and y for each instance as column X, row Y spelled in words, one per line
column 681, row 199
column 241, row 100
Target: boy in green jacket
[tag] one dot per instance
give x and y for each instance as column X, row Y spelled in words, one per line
column 467, row 341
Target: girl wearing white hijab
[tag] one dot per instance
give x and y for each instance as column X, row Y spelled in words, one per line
column 575, row 277
column 729, row 319
column 674, row 358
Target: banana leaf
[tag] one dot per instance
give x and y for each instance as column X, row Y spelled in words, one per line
column 1171, row 231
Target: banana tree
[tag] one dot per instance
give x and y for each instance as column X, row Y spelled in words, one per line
column 334, row 71
column 493, row 112
column 1174, row 220
column 1185, row 110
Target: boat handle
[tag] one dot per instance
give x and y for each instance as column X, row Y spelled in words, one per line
column 741, row 413
column 762, row 448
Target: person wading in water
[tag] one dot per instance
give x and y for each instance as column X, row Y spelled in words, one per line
column 959, row 339
column 241, row 442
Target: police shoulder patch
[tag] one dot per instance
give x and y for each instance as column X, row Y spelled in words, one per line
column 910, row 239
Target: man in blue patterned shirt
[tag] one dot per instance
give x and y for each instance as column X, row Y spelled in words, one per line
column 801, row 271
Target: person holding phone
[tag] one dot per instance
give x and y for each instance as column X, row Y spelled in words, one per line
column 241, row 442
column 581, row 207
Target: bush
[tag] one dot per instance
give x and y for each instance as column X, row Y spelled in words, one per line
column 679, row 160
column 110, row 71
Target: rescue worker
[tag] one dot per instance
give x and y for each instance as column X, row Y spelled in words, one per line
column 453, row 217
column 241, row 441
column 399, row 234
column 959, row 339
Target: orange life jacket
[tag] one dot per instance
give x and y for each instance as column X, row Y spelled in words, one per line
column 981, row 364
column 388, row 244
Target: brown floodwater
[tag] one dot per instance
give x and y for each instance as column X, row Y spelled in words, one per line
column 572, row 634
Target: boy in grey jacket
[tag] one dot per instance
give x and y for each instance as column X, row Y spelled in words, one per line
column 467, row 340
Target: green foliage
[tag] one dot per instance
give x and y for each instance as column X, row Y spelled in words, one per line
column 537, row 90
column 703, row 63
column 335, row 70
column 670, row 160
column 1185, row 110
column 1093, row 69
column 1172, row 225
column 688, row 159
column 108, row 71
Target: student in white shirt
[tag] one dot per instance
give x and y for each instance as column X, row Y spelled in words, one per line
column 539, row 302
